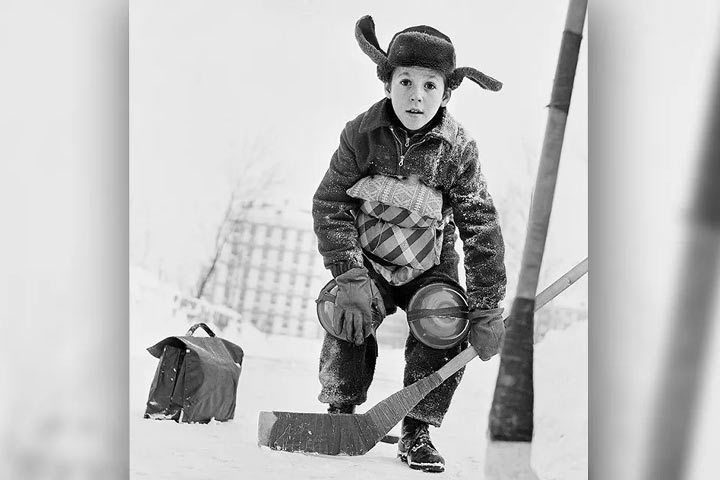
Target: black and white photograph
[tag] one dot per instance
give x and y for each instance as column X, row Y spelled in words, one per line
column 322, row 240
column 343, row 194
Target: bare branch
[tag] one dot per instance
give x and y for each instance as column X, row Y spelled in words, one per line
column 257, row 173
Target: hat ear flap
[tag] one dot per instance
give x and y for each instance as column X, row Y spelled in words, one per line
column 485, row 81
column 365, row 36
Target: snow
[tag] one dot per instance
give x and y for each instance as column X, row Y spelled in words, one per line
column 204, row 119
column 280, row 373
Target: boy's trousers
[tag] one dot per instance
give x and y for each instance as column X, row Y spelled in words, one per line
column 346, row 370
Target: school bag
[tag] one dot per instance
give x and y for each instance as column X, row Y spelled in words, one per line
column 196, row 379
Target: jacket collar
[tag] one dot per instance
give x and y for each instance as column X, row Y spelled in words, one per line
column 377, row 116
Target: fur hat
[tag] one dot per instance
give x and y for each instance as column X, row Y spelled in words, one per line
column 420, row 46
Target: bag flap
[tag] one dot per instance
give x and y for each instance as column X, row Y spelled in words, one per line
column 157, row 349
column 208, row 347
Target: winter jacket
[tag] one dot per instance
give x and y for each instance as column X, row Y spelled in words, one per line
column 445, row 158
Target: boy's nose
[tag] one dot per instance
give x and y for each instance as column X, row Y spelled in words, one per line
column 416, row 95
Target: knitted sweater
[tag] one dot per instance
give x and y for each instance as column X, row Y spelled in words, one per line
column 445, row 158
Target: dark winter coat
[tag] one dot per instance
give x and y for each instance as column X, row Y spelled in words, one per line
column 445, row 158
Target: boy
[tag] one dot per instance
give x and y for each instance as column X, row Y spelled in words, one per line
column 385, row 214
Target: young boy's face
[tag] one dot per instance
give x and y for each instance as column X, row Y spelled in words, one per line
column 416, row 94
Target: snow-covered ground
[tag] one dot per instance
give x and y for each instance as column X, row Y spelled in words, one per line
column 206, row 112
column 280, row 373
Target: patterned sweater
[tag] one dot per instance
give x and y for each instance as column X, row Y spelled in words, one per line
column 445, row 158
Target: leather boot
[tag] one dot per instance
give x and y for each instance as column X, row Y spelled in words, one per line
column 416, row 449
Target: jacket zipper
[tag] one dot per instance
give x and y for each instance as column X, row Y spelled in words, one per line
column 407, row 145
column 402, row 158
column 399, row 147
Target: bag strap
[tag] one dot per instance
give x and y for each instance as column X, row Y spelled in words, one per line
column 192, row 329
column 458, row 312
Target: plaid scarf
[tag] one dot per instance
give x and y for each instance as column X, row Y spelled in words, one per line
column 400, row 226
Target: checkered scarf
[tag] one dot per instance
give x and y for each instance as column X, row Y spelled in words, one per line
column 400, row 222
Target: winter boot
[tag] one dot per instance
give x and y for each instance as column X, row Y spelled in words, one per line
column 341, row 408
column 416, row 449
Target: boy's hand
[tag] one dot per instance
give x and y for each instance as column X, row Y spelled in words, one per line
column 487, row 332
column 353, row 306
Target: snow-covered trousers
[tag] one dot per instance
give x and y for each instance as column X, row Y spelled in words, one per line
column 346, row 369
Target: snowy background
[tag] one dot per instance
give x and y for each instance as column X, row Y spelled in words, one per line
column 226, row 94
column 653, row 74
column 280, row 373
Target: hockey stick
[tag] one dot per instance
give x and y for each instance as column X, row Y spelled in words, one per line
column 356, row 434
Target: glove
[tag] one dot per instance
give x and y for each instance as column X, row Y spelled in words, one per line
column 352, row 318
column 487, row 332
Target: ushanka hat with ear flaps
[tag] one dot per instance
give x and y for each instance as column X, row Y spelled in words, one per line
column 420, row 46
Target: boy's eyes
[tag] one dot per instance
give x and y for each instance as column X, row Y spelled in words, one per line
column 406, row 83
